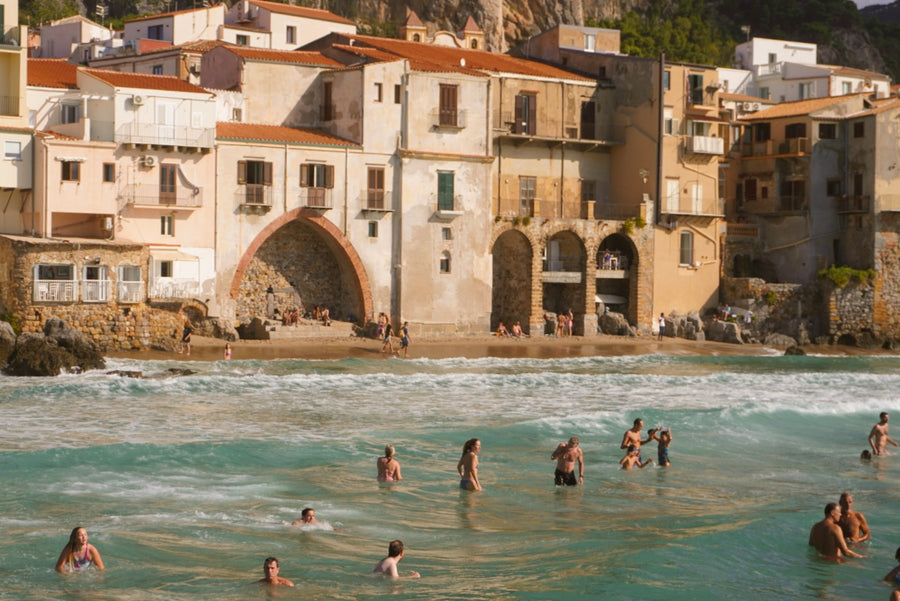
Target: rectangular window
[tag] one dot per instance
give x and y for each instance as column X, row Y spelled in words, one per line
column 858, row 183
column 397, row 94
column 166, row 228
column 668, row 123
column 806, row 90
column 157, row 69
column 256, row 177
column 12, row 151
column 793, row 195
column 445, row 262
column 588, row 190
column 167, row 184
column 764, row 93
column 68, row 113
column 588, row 120
column 375, row 188
column 236, row 114
column 795, row 130
column 697, row 199
column 827, row 131
column 667, row 80
column 373, row 229
column 446, row 233
column 447, row 108
column 378, row 90
column 316, row 175
column 130, row 288
column 242, row 40
column 290, row 34
column 686, row 254
column 71, row 171
column 762, row 132
column 846, row 88
column 526, row 114
column 695, row 84
column 166, row 269
column 750, row 189
column 773, row 58
column 109, row 172
column 155, row 32
column 445, row 191
column 527, row 186
column 590, row 42
column 833, row 187
column 672, row 195
column 859, row 129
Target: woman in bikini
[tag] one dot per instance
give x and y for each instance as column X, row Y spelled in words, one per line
column 388, row 467
column 468, row 465
column 78, row 554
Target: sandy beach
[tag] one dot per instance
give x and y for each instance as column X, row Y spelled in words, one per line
column 472, row 346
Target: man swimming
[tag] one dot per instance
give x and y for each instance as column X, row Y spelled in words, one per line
column 878, row 437
column 270, row 574
column 827, row 538
column 566, row 454
column 307, row 516
column 388, row 565
column 632, row 436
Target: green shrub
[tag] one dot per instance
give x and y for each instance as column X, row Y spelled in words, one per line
column 770, row 297
column 13, row 321
column 841, row 276
column 526, row 220
column 639, row 222
column 628, row 226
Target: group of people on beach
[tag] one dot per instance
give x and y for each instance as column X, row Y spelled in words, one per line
column 385, row 332
column 843, row 525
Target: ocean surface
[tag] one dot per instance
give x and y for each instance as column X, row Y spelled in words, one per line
column 185, row 484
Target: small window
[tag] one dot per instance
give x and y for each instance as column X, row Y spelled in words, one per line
column 129, row 273
column 806, row 90
column 750, row 189
column 157, row 69
column 764, row 93
column 417, row 37
column 859, row 129
column 71, row 171
column 446, row 233
column 109, row 172
column 447, row 107
column 827, row 131
column 12, row 151
column 669, row 123
column 833, row 187
column 445, row 262
column 166, row 227
column 773, row 58
column 155, row 32
column 68, row 113
column 686, row 256
column 373, row 229
column 166, row 269
column 667, row 80
column 588, row 190
column 290, row 34
column 846, row 87
column 236, row 114
column 375, row 188
column 795, row 130
column 242, row 40
column 397, row 94
column 474, row 44
column 378, row 91
column 590, row 42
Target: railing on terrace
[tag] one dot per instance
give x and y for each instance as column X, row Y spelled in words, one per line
column 791, row 203
column 130, row 292
column 794, row 146
column 376, row 199
column 95, row 291
column 316, row 198
column 181, row 196
column 55, row 290
column 257, row 195
column 853, row 204
column 174, row 288
column 705, row 145
column 447, row 118
column 165, row 135
column 567, row 265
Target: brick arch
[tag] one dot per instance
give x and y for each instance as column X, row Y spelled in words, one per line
column 334, row 238
column 529, row 234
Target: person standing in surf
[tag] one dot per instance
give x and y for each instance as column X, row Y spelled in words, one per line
column 566, row 454
column 468, row 465
column 78, row 554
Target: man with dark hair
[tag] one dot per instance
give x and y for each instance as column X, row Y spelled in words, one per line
column 270, row 574
column 307, row 516
column 827, row 538
column 853, row 523
column 388, row 565
column 878, row 437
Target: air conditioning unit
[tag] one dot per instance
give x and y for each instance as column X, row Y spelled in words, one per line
column 107, row 224
column 755, row 106
column 137, row 100
column 149, row 160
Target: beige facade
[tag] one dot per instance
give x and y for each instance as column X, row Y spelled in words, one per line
column 288, row 26
column 178, row 27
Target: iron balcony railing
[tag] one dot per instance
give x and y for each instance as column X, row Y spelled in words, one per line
column 166, row 135
column 95, row 291
column 55, row 290
column 179, row 196
column 376, row 199
column 130, row 292
column 316, row 198
column 257, row 195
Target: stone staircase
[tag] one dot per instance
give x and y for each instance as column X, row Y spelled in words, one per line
column 307, row 329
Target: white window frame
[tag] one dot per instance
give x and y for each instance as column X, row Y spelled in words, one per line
column 12, row 150
column 686, row 248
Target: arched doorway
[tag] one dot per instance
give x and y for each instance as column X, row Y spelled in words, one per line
column 617, row 267
column 564, row 276
column 307, row 262
column 511, row 291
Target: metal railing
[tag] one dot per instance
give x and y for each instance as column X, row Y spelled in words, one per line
column 791, row 204
column 794, row 146
column 55, row 290
column 257, row 195
column 376, row 199
column 130, row 292
column 166, row 135
column 316, row 198
column 448, row 118
column 143, row 194
column 174, row 288
column 95, row 291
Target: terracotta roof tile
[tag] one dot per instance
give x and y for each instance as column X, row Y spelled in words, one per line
column 52, row 73
column 800, row 107
column 413, row 20
column 147, row 45
column 304, row 57
column 278, row 133
column 302, row 11
column 471, row 25
column 144, row 81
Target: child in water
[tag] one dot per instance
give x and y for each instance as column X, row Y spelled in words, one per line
column 633, row 459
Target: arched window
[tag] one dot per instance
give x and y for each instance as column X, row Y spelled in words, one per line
column 474, row 44
column 445, row 262
column 416, row 38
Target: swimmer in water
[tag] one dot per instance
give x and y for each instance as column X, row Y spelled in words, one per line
column 388, row 565
column 468, row 465
column 388, row 466
column 270, row 574
column 78, row 554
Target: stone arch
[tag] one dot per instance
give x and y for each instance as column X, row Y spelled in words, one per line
column 565, row 275
column 617, row 275
column 511, row 292
column 330, row 244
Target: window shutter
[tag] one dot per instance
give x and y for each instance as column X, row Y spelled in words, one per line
column 517, row 125
column 304, row 176
column 329, row 176
column 267, row 174
column 532, row 115
column 242, row 172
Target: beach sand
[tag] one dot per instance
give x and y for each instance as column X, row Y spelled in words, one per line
column 471, row 346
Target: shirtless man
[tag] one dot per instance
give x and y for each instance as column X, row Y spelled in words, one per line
column 468, row 465
column 827, row 538
column 633, row 436
column 307, row 516
column 566, row 454
column 853, row 523
column 878, row 437
column 632, row 459
column 388, row 565
column 271, row 577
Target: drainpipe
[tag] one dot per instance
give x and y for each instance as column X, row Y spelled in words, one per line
column 346, row 189
column 397, row 234
column 284, row 180
column 659, row 138
column 562, row 150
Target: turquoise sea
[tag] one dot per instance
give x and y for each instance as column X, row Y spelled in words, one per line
column 186, row 484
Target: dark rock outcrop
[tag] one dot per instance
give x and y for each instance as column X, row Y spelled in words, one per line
column 7, row 341
column 725, row 331
column 779, row 340
column 794, row 350
column 614, row 324
column 58, row 349
column 216, row 327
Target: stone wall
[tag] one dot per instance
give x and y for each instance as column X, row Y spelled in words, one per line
column 886, row 318
column 850, row 314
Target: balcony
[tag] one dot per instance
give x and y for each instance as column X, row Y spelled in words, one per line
column 130, row 292
column 95, row 291
column 705, row 145
column 316, row 198
column 60, row 291
column 174, row 288
column 447, row 206
column 794, row 146
column 153, row 134
column 376, row 199
column 9, row 105
column 161, row 196
column 757, row 149
column 254, row 197
column 562, row 271
column 791, row 204
column 852, row 204
column 448, row 119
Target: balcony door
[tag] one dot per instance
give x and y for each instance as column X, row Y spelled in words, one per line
column 165, row 122
column 167, row 175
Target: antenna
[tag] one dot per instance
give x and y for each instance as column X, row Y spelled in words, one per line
column 745, row 29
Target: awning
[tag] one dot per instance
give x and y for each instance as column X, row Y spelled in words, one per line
column 170, row 254
column 610, row 299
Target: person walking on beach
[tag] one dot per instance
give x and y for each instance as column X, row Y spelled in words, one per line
column 404, row 340
column 270, row 574
column 566, row 454
column 388, row 467
column 388, row 566
column 386, row 343
column 662, row 326
column 878, row 437
column 853, row 523
column 827, row 538
column 78, row 554
column 468, row 465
